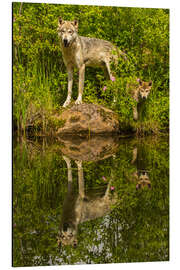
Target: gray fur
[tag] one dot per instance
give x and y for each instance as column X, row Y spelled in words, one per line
column 79, row 51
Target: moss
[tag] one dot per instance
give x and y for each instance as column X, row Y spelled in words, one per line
column 74, row 119
column 75, row 149
column 105, row 115
column 56, row 123
column 88, row 116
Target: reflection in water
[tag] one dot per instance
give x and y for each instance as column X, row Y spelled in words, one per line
column 117, row 211
column 141, row 176
column 92, row 149
column 82, row 207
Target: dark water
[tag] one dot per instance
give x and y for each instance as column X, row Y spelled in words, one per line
column 103, row 200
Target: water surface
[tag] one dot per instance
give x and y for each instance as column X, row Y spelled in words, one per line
column 99, row 200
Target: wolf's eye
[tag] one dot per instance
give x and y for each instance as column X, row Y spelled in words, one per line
column 70, row 31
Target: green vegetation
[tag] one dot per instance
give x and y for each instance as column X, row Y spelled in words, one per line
column 137, row 230
column 40, row 77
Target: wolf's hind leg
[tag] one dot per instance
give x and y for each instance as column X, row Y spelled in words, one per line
column 106, row 73
column 108, row 69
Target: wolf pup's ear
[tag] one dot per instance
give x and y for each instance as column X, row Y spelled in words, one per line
column 150, row 83
column 60, row 20
column 140, row 81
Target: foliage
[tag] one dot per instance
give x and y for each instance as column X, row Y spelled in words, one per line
column 135, row 231
column 40, row 77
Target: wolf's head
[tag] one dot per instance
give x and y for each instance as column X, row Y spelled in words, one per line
column 144, row 89
column 67, row 31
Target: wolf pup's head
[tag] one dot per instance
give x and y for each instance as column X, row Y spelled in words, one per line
column 67, row 31
column 144, row 89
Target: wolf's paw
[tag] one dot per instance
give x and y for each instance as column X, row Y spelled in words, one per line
column 78, row 101
column 68, row 161
column 66, row 103
column 78, row 163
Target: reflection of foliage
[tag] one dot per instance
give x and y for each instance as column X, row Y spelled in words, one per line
column 136, row 229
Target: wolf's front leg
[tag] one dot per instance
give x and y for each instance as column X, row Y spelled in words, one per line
column 81, row 84
column 135, row 113
column 68, row 164
column 70, row 83
column 80, row 178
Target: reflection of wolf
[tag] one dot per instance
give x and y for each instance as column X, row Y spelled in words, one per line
column 140, row 93
column 81, row 51
column 79, row 208
column 139, row 176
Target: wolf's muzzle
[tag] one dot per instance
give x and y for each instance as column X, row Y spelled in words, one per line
column 66, row 44
column 65, row 227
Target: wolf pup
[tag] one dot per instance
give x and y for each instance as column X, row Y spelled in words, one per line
column 79, row 51
column 140, row 93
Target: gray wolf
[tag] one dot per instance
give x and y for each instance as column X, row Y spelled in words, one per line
column 78, row 208
column 139, row 92
column 79, row 52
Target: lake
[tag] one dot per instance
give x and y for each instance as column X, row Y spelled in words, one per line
column 90, row 201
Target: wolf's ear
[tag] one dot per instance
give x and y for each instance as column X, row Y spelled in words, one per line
column 75, row 23
column 140, row 82
column 60, row 21
column 150, row 83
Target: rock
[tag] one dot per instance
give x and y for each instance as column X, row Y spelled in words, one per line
column 89, row 149
column 88, row 119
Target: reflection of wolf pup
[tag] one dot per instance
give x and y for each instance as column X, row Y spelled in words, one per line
column 142, row 179
column 81, row 51
column 79, row 208
column 139, row 176
column 140, row 93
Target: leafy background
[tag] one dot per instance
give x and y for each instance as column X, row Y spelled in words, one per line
column 40, row 77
